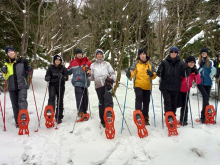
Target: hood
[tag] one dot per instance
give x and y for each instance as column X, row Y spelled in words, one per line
column 57, row 56
column 100, row 50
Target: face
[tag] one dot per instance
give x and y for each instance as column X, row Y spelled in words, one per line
column 99, row 56
column 191, row 64
column 79, row 55
column 57, row 62
column 143, row 57
column 219, row 57
column 173, row 54
column 204, row 54
column 11, row 54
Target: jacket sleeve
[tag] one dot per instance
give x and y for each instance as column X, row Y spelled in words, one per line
column 111, row 72
column 69, row 70
column 185, row 70
column 197, row 79
column 160, row 70
column 133, row 70
column 65, row 73
column 91, row 78
column 153, row 70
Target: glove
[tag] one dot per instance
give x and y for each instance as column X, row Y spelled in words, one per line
column 128, row 73
column 194, row 70
column 109, row 82
column 5, row 69
column 47, row 78
column 202, row 63
column 29, row 68
column 149, row 73
column 216, row 63
column 60, row 75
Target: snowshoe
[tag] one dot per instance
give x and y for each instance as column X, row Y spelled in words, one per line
column 140, row 123
column 109, row 118
column 201, row 120
column 210, row 114
column 23, row 121
column 49, row 116
column 84, row 117
column 59, row 121
column 171, row 123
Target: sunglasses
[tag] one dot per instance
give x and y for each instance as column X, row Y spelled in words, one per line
column 173, row 52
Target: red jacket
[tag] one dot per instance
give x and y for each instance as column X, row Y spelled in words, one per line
column 80, row 62
column 189, row 80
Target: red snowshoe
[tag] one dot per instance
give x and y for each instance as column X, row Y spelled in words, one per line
column 109, row 117
column 209, row 115
column 140, row 123
column 85, row 117
column 171, row 123
column 49, row 116
column 23, row 121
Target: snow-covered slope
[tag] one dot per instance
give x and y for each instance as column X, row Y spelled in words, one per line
column 88, row 144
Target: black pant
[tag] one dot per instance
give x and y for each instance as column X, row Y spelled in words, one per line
column 181, row 102
column 205, row 91
column 18, row 101
column 53, row 94
column 81, row 93
column 142, row 96
column 105, row 100
column 170, row 98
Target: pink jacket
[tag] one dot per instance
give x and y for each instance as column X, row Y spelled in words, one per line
column 189, row 80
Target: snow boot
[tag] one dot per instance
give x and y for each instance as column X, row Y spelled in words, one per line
column 49, row 116
column 146, row 121
column 23, row 121
column 83, row 117
column 109, row 118
column 171, row 123
column 140, row 123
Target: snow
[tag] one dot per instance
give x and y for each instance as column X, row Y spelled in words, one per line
column 125, row 6
column 24, row 11
column 88, row 144
column 195, row 38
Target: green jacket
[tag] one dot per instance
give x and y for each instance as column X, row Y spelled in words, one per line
column 17, row 74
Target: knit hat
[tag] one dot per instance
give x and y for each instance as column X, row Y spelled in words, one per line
column 55, row 57
column 79, row 51
column 204, row 50
column 190, row 58
column 9, row 48
column 174, row 48
column 141, row 50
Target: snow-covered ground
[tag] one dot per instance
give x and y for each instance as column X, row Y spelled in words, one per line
column 88, row 144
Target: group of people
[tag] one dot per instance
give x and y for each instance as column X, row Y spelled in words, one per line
column 176, row 78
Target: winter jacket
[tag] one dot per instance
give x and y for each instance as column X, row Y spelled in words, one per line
column 170, row 72
column 99, row 72
column 217, row 71
column 17, row 74
column 208, row 72
column 139, row 72
column 189, row 80
column 76, row 68
column 54, row 73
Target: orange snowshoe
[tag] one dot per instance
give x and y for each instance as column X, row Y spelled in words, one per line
column 109, row 118
column 23, row 121
column 140, row 123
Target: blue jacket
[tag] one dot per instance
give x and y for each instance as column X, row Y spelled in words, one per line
column 79, row 76
column 208, row 72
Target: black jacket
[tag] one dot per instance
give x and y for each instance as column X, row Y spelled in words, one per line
column 17, row 74
column 170, row 72
column 54, row 72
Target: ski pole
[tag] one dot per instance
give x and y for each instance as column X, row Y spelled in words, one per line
column 2, row 112
column 58, row 108
column 152, row 100
column 124, row 106
column 5, row 103
column 197, row 96
column 121, row 110
column 190, row 111
column 34, row 101
column 186, row 102
column 162, row 110
column 44, row 100
column 88, row 91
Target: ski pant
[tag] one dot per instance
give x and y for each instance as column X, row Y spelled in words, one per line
column 81, row 94
column 170, row 99
column 105, row 100
column 205, row 91
column 55, row 95
column 142, row 97
column 18, row 101
column 181, row 102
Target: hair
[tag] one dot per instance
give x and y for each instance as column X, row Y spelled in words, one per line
column 218, row 57
column 16, row 56
column 207, row 60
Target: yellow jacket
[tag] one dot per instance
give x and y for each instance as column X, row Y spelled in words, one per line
column 139, row 72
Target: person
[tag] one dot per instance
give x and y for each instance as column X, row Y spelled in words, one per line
column 143, row 72
column 56, row 75
column 102, row 74
column 217, row 66
column 206, row 70
column 170, row 70
column 16, row 70
column 80, row 81
column 186, row 84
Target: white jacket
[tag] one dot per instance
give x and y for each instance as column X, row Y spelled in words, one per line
column 99, row 72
